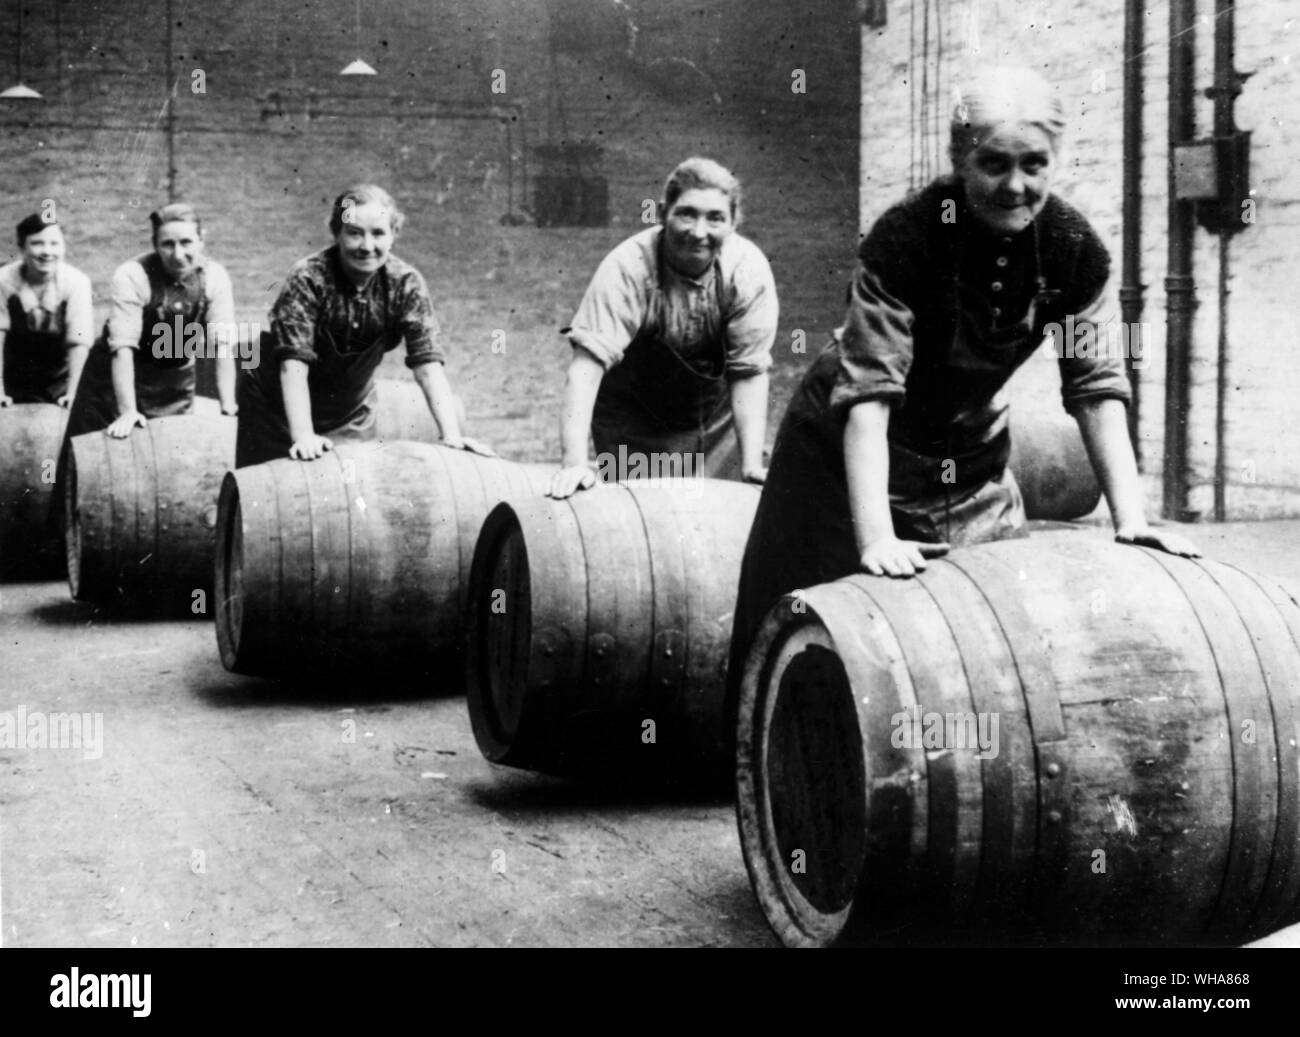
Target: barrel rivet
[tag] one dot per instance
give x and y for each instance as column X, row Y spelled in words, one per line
column 599, row 652
column 665, row 681
column 1053, row 769
column 548, row 650
column 668, row 653
column 1054, row 817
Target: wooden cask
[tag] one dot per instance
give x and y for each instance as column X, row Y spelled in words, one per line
column 599, row 627
column 1142, row 783
column 141, row 511
column 1051, row 467
column 30, row 437
column 357, row 559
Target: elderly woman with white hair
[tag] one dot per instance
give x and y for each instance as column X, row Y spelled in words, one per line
column 895, row 445
column 672, row 343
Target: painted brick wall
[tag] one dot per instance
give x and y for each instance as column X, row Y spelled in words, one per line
column 1078, row 45
column 277, row 133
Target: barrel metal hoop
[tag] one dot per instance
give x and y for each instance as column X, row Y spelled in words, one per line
column 1253, row 822
column 1030, row 656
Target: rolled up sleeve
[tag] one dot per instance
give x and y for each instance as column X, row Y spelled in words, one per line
column 612, row 310
column 294, row 317
column 875, row 344
column 419, row 323
column 221, row 306
column 128, row 294
column 752, row 320
column 1092, row 366
column 79, row 327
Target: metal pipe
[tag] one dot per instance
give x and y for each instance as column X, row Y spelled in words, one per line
column 1180, row 286
column 1131, row 291
column 1227, row 85
column 171, row 109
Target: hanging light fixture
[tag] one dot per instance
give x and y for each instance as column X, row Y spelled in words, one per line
column 359, row 67
column 21, row 91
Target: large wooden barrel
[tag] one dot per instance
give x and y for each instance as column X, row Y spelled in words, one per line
column 1143, row 785
column 358, row 559
column 1051, row 467
column 141, row 511
column 599, row 627
column 30, row 437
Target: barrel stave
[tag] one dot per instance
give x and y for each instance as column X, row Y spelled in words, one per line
column 1135, row 677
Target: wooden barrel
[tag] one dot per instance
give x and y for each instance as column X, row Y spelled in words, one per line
column 358, row 559
column 599, row 626
column 30, row 437
column 1051, row 467
column 1142, row 784
column 141, row 511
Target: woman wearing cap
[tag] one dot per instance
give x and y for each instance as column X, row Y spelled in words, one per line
column 46, row 318
column 339, row 312
column 895, row 444
column 672, row 342
column 164, row 305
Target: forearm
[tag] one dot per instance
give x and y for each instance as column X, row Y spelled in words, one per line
column 226, row 374
column 580, row 388
column 123, row 373
column 749, row 408
column 1104, row 427
column 297, row 399
column 432, row 379
column 76, row 364
column 866, row 466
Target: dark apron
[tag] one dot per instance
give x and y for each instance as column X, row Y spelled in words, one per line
column 35, row 357
column 340, row 384
column 163, row 386
column 656, row 401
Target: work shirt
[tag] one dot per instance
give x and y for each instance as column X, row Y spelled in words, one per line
column 40, row 324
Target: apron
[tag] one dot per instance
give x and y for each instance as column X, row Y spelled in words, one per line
column 163, row 386
column 341, row 385
column 657, row 401
column 35, row 355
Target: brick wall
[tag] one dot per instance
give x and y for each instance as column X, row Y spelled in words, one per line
column 276, row 133
column 1078, row 45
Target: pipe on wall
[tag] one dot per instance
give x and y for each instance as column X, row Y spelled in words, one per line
column 1180, row 286
column 1131, row 289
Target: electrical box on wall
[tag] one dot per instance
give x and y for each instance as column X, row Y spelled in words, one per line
column 1215, row 174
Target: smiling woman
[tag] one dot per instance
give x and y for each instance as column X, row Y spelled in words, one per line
column 673, row 341
column 126, row 381
column 45, row 318
column 339, row 312
column 895, row 444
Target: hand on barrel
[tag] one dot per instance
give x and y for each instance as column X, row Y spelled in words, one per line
column 230, row 411
column 310, row 447
column 5, row 401
column 568, row 481
column 890, row 556
column 121, row 427
column 757, row 476
column 64, row 401
column 1159, row 539
column 472, row 445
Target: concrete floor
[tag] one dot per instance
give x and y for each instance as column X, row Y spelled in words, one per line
column 228, row 811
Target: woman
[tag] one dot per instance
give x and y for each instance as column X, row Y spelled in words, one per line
column 165, row 306
column 340, row 311
column 46, row 319
column 895, row 444
column 672, row 344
